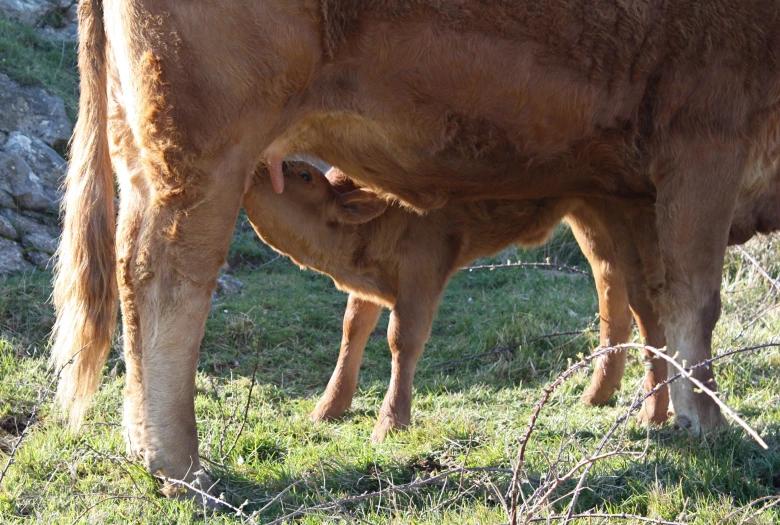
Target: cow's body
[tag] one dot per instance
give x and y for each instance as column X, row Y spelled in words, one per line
column 430, row 101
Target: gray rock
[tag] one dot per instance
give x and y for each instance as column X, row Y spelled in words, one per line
column 227, row 285
column 12, row 258
column 18, row 180
column 40, row 241
column 42, row 260
column 6, row 201
column 34, row 112
column 28, row 12
column 67, row 33
column 7, row 229
column 31, row 172
column 26, row 226
column 43, row 218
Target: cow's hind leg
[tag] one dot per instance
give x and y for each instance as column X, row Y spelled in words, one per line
column 172, row 243
column 697, row 187
column 360, row 318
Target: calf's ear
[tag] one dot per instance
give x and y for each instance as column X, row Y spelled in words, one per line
column 359, row 206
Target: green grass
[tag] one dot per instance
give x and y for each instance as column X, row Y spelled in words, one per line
column 32, row 60
column 286, row 325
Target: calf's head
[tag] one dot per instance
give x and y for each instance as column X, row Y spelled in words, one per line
column 310, row 219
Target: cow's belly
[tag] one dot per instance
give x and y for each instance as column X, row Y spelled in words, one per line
column 426, row 173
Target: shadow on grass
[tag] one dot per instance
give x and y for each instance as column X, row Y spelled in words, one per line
column 676, row 473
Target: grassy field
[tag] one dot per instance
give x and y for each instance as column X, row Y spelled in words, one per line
column 284, row 328
column 269, row 351
column 32, row 60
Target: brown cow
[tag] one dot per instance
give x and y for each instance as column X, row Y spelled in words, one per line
column 392, row 257
column 429, row 101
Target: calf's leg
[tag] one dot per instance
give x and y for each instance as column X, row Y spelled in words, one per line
column 407, row 333
column 620, row 242
column 360, row 318
column 614, row 314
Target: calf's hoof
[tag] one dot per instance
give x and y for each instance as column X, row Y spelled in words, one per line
column 655, row 410
column 386, row 424
column 326, row 411
column 598, row 395
column 594, row 397
column 201, row 490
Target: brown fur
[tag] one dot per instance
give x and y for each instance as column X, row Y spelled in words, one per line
column 431, row 102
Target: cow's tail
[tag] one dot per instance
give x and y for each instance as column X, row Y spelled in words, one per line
column 85, row 288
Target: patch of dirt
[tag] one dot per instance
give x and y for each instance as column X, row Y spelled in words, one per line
column 11, row 427
column 15, row 423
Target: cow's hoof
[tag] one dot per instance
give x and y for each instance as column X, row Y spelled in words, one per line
column 654, row 412
column 133, row 439
column 698, row 424
column 200, row 489
column 649, row 417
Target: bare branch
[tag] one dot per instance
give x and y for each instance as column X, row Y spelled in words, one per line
column 551, row 266
column 772, row 281
column 621, row 516
column 414, row 485
column 207, row 497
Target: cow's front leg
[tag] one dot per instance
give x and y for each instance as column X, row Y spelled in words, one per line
column 360, row 318
column 695, row 204
column 171, row 245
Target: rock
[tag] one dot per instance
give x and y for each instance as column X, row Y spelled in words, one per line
column 44, row 261
column 7, row 229
column 31, row 172
column 6, row 201
column 26, row 226
column 28, row 12
column 227, row 285
column 43, row 218
column 12, row 258
column 23, row 186
column 64, row 30
column 40, row 241
column 34, row 112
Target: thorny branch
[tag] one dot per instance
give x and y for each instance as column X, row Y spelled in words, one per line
column 684, row 372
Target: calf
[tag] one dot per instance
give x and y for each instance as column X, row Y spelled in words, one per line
column 386, row 256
